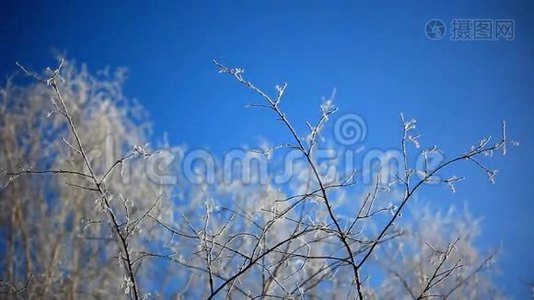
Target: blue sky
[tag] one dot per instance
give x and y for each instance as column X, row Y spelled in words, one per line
column 376, row 55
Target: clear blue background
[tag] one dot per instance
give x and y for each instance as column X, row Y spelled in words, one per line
column 376, row 55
